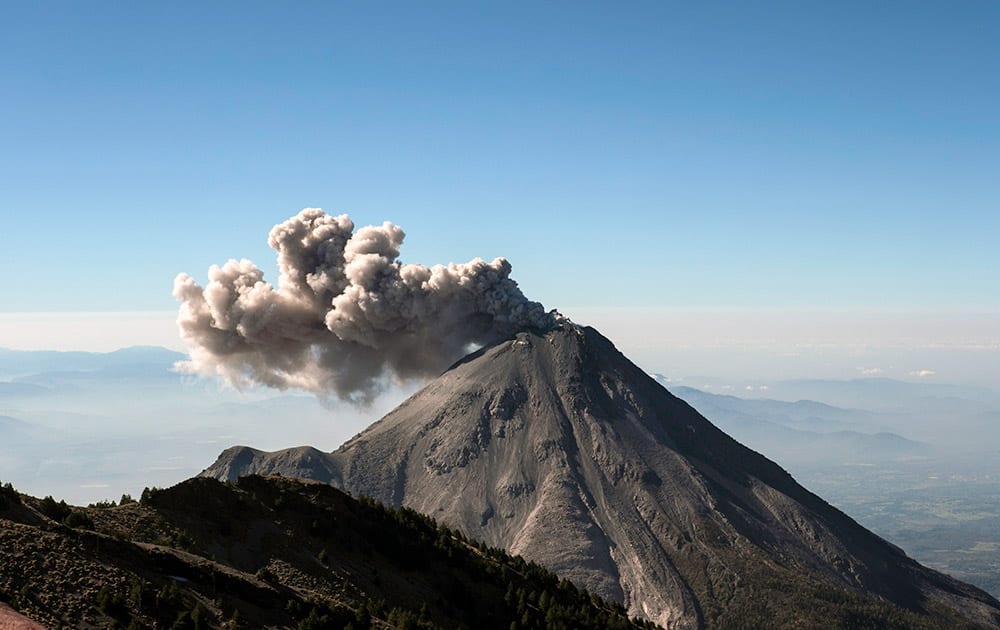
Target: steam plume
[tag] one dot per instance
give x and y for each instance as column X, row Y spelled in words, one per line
column 346, row 314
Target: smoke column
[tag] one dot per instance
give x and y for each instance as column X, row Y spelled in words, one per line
column 347, row 314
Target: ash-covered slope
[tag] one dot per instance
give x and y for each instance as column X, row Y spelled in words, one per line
column 557, row 447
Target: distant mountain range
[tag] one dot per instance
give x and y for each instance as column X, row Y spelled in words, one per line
column 803, row 431
column 114, row 422
column 879, row 394
column 14, row 363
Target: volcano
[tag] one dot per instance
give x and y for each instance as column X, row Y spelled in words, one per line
column 555, row 446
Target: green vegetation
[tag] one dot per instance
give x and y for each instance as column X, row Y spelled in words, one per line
column 125, row 500
column 62, row 513
column 8, row 496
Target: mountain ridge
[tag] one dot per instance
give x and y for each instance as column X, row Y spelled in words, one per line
column 268, row 552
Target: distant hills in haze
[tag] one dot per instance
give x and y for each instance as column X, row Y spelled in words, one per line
column 877, row 393
column 78, row 398
column 91, row 426
column 803, row 431
column 147, row 359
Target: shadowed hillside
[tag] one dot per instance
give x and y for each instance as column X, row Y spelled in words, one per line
column 269, row 552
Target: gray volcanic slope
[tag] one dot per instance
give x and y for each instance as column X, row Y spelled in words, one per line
column 555, row 446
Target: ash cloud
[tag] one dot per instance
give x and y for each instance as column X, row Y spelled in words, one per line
column 346, row 314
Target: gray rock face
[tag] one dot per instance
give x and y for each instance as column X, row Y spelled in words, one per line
column 304, row 462
column 557, row 447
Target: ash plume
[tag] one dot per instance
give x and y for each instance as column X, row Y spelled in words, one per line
column 346, row 314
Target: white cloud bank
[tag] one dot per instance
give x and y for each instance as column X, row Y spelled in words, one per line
column 89, row 332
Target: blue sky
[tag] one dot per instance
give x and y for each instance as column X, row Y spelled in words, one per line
column 729, row 155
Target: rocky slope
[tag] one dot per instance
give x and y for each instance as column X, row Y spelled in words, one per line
column 555, row 446
column 266, row 553
column 12, row 620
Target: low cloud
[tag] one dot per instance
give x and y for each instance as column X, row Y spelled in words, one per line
column 922, row 373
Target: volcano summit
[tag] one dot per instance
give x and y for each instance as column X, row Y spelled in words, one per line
column 555, row 446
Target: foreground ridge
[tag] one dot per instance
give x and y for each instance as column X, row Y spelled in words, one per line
column 555, row 446
column 270, row 552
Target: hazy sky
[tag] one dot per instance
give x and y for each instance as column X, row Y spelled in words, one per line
column 734, row 156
